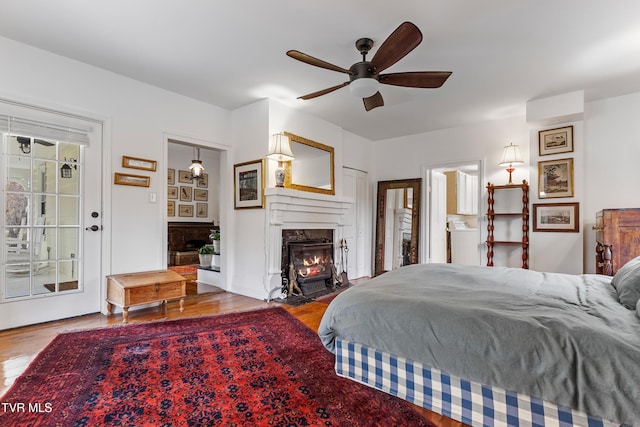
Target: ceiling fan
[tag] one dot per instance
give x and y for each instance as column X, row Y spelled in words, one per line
column 365, row 77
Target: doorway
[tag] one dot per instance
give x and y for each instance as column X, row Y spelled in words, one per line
column 51, row 237
column 452, row 221
column 195, row 207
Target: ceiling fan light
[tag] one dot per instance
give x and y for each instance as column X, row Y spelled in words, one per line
column 364, row 87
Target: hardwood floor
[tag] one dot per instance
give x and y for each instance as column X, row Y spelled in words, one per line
column 18, row 347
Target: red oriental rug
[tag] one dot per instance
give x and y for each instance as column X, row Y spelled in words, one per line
column 257, row 368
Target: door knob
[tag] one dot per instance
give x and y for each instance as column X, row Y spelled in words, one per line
column 93, row 228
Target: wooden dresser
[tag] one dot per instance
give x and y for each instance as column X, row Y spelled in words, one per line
column 127, row 290
column 617, row 239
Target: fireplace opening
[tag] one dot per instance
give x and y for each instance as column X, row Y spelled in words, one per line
column 311, row 261
column 307, row 262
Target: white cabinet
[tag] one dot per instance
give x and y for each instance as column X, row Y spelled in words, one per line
column 464, row 247
column 462, row 193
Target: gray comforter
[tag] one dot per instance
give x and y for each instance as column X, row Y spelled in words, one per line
column 562, row 338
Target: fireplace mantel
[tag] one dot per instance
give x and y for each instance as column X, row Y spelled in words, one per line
column 294, row 209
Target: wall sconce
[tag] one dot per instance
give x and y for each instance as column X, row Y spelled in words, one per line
column 66, row 169
column 280, row 150
column 25, row 144
column 196, row 167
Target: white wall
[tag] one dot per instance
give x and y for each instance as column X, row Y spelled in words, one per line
column 357, row 152
column 246, row 231
column 606, row 153
column 611, row 156
column 404, row 157
column 557, row 251
column 137, row 115
column 252, row 127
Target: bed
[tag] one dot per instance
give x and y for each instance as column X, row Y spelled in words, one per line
column 493, row 346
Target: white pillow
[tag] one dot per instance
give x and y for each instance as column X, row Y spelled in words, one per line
column 627, row 283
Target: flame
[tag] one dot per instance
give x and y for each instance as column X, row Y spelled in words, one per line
column 313, row 266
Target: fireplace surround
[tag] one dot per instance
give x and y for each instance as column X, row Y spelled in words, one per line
column 290, row 210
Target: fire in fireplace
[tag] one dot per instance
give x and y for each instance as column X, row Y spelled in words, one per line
column 311, row 261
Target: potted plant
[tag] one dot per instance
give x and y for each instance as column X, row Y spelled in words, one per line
column 215, row 238
column 205, row 253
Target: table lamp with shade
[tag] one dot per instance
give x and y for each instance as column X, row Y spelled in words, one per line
column 280, row 150
column 510, row 157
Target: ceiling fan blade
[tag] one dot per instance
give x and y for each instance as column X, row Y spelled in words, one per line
column 420, row 79
column 323, row 91
column 373, row 101
column 307, row 59
column 402, row 41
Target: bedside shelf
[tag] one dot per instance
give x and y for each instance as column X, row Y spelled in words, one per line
column 495, row 218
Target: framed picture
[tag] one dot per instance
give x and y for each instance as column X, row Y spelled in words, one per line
column 137, row 163
column 555, row 178
column 555, row 141
column 171, row 208
column 200, row 195
column 248, row 184
column 185, row 177
column 171, row 176
column 172, row 192
column 135, row 180
column 556, row 217
column 202, row 210
column 185, row 193
column 203, row 181
column 185, row 210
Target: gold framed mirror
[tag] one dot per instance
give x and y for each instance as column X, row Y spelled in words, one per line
column 397, row 224
column 312, row 169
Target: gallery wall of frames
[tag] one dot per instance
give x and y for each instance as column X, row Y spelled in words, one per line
column 190, row 199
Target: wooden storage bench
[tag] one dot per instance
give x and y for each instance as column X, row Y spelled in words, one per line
column 127, row 290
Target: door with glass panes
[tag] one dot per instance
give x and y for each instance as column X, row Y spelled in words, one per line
column 51, row 235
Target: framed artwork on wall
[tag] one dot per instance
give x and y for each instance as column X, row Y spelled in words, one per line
column 248, row 184
column 555, row 141
column 127, row 179
column 556, row 217
column 172, row 192
column 171, row 208
column 185, row 177
column 185, row 193
column 138, row 163
column 200, row 195
column 555, row 178
column 203, row 181
column 171, row 176
column 202, row 210
column 185, row 210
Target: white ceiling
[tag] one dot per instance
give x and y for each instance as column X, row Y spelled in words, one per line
column 502, row 53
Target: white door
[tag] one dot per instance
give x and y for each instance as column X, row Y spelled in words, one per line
column 350, row 225
column 438, row 218
column 51, row 238
column 363, row 228
column 357, row 254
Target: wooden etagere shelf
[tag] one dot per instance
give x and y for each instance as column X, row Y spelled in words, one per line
column 492, row 216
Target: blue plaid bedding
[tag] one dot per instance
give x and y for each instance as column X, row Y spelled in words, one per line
column 463, row 400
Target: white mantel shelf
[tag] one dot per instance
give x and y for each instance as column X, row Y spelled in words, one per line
column 294, row 209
